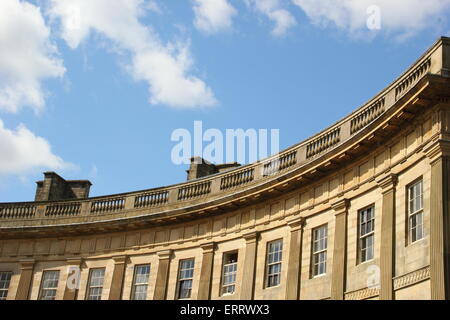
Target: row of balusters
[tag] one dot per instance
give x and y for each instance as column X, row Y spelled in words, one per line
column 322, row 143
column 237, row 179
column 413, row 78
column 151, row 199
column 108, row 205
column 18, row 212
column 194, row 190
column 282, row 162
column 63, row 209
column 367, row 116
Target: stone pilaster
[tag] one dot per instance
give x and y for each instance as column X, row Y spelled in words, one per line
column 387, row 184
column 295, row 256
column 26, row 277
column 439, row 155
column 204, row 289
column 338, row 273
column 120, row 263
column 73, row 278
column 248, row 275
column 162, row 275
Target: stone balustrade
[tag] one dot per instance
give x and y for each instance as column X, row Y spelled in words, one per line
column 240, row 178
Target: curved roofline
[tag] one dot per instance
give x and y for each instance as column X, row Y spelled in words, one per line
column 247, row 178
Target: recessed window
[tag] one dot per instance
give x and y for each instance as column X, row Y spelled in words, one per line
column 319, row 258
column 229, row 273
column 95, row 288
column 5, row 279
column 415, row 211
column 185, row 277
column 49, row 285
column 140, row 282
column 366, row 233
column 274, row 257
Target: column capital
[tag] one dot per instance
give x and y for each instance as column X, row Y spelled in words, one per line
column 26, row 264
column 387, row 182
column 296, row 223
column 208, row 247
column 165, row 254
column 340, row 206
column 119, row 259
column 251, row 236
column 437, row 149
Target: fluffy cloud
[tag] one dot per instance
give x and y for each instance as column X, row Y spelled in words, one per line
column 405, row 16
column 213, row 16
column 273, row 9
column 22, row 151
column 27, row 56
column 166, row 68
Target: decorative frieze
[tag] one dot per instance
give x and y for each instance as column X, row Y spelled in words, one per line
column 412, row 278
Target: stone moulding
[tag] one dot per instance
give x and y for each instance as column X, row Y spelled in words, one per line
column 412, row 278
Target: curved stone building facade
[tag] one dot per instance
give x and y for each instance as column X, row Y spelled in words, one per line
column 358, row 211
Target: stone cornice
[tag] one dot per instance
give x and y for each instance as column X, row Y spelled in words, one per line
column 208, row 247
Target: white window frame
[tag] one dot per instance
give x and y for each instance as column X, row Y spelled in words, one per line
column 184, row 279
column 366, row 231
column 49, row 286
column 317, row 253
column 415, row 232
column 141, row 284
column 5, row 282
column 90, row 285
column 229, row 271
column 277, row 253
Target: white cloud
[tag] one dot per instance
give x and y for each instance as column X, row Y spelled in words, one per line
column 404, row 16
column 166, row 68
column 27, row 56
column 213, row 16
column 273, row 9
column 22, row 151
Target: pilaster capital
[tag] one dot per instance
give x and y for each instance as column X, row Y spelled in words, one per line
column 387, row 182
column 74, row 261
column 120, row 259
column 208, row 247
column 340, row 206
column 437, row 149
column 296, row 223
column 251, row 236
column 164, row 255
column 27, row 264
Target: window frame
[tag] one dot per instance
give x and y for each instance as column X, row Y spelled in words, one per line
column 270, row 264
column 42, row 287
column 317, row 253
column 134, row 284
column 232, row 273
column 89, row 286
column 181, row 280
column 6, row 289
column 362, row 237
column 415, row 214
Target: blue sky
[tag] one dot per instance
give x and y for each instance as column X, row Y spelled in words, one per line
column 98, row 97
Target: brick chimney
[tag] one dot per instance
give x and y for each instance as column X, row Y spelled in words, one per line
column 54, row 187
